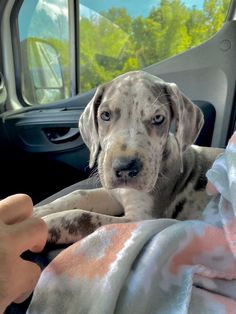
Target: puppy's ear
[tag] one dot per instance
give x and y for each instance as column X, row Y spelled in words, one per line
column 88, row 125
column 188, row 117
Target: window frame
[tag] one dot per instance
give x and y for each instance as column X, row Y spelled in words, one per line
column 74, row 35
column 17, row 60
column 16, row 52
column 231, row 15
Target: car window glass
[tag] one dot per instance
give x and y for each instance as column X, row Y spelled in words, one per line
column 118, row 35
column 113, row 37
column 45, row 50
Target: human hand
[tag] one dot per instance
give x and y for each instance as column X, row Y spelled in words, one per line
column 18, row 232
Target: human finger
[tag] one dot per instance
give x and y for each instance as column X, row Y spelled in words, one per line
column 15, row 208
column 30, row 234
column 27, row 277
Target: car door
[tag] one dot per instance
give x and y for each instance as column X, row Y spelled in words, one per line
column 41, row 147
column 53, row 54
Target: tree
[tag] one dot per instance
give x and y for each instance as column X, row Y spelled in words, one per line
column 113, row 42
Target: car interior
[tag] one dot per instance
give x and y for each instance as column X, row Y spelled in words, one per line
column 41, row 148
column 52, row 60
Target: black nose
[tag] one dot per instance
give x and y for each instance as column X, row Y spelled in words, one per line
column 125, row 167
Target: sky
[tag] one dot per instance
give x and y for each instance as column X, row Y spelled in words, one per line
column 134, row 7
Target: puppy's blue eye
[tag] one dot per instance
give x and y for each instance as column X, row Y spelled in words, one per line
column 105, row 116
column 158, row 119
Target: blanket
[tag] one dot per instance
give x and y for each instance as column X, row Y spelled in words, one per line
column 154, row 266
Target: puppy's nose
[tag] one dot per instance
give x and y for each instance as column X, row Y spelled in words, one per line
column 125, row 167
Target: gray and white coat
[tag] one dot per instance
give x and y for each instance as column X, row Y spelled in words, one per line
column 146, row 172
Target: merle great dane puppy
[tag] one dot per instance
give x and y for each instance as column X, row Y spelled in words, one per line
column 145, row 171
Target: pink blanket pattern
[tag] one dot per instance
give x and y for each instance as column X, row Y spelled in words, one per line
column 154, row 266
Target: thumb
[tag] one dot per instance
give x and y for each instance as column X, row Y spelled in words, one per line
column 28, row 274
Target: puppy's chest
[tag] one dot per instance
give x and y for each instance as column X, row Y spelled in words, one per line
column 137, row 205
column 187, row 205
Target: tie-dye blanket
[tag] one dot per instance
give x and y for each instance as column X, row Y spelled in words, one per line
column 156, row 266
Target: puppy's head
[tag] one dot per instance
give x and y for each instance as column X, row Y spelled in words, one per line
column 126, row 126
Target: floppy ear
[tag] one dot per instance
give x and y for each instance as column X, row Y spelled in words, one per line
column 188, row 117
column 88, row 125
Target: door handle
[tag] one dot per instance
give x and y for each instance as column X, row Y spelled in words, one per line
column 61, row 135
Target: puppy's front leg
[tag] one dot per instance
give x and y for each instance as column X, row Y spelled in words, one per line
column 96, row 200
column 70, row 226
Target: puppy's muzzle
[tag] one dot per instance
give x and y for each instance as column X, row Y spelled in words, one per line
column 126, row 167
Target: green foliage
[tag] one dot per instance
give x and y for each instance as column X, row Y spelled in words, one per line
column 114, row 43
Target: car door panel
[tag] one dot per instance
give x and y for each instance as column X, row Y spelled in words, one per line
column 45, row 130
column 43, row 151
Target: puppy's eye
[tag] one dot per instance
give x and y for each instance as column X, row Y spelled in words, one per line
column 158, row 119
column 105, row 116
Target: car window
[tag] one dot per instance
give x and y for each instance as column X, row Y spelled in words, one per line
column 68, row 49
column 45, row 50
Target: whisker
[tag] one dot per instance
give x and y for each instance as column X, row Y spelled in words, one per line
column 93, row 172
column 94, row 175
column 156, row 189
column 162, row 175
column 160, row 95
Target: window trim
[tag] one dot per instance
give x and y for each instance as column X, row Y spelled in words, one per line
column 7, row 55
column 17, row 60
column 72, row 8
column 74, row 25
column 231, row 15
column 17, row 51
column 77, row 48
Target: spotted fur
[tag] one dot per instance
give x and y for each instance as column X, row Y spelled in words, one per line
column 146, row 172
